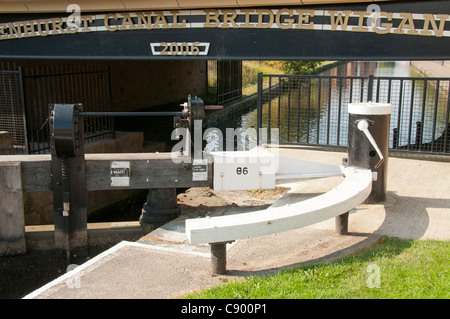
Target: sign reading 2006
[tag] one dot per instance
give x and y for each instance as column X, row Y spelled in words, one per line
column 180, row 48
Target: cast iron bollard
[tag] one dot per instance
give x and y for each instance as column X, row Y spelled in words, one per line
column 341, row 224
column 361, row 151
column 368, row 145
column 218, row 258
column 161, row 207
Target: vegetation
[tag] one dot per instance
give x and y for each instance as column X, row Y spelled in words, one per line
column 250, row 70
column 392, row 268
column 300, row 67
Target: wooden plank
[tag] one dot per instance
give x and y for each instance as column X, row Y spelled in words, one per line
column 37, row 176
column 148, row 170
column 12, row 221
column 349, row 194
column 36, row 171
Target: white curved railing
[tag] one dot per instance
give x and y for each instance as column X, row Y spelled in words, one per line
column 354, row 190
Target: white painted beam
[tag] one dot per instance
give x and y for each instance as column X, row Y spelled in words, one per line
column 261, row 169
column 355, row 188
column 291, row 169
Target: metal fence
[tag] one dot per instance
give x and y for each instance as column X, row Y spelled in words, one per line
column 420, row 117
column 12, row 108
column 39, row 86
column 312, row 110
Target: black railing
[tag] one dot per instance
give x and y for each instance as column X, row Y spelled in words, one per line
column 27, row 92
column 312, row 110
column 12, row 108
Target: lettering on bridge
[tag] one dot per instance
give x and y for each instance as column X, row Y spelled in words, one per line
column 399, row 23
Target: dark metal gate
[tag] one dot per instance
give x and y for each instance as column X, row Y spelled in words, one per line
column 312, row 110
column 225, row 80
column 12, row 109
column 31, row 90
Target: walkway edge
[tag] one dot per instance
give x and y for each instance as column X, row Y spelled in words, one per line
column 99, row 257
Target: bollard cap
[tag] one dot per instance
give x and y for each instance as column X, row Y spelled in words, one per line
column 369, row 108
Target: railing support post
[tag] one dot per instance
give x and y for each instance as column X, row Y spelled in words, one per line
column 341, row 223
column 218, row 258
column 259, row 109
column 370, row 88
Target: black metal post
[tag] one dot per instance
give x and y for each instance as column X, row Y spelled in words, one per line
column 395, row 138
column 24, row 112
column 160, row 208
column 218, row 258
column 368, row 142
column 419, row 134
column 361, row 152
column 69, row 179
column 259, row 109
column 341, row 224
column 370, row 88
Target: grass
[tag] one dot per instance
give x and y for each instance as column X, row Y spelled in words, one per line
column 250, row 70
column 391, row 269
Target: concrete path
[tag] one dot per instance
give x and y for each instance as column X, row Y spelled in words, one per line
column 439, row 69
column 163, row 264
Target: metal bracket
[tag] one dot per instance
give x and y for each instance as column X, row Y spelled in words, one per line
column 363, row 126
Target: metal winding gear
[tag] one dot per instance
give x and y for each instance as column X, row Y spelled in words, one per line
column 64, row 118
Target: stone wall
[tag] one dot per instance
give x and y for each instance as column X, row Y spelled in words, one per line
column 143, row 84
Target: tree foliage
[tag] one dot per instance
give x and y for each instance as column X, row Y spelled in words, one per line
column 300, row 67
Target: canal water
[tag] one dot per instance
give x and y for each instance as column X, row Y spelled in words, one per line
column 394, row 69
column 325, row 122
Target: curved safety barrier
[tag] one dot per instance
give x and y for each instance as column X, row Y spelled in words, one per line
column 354, row 190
